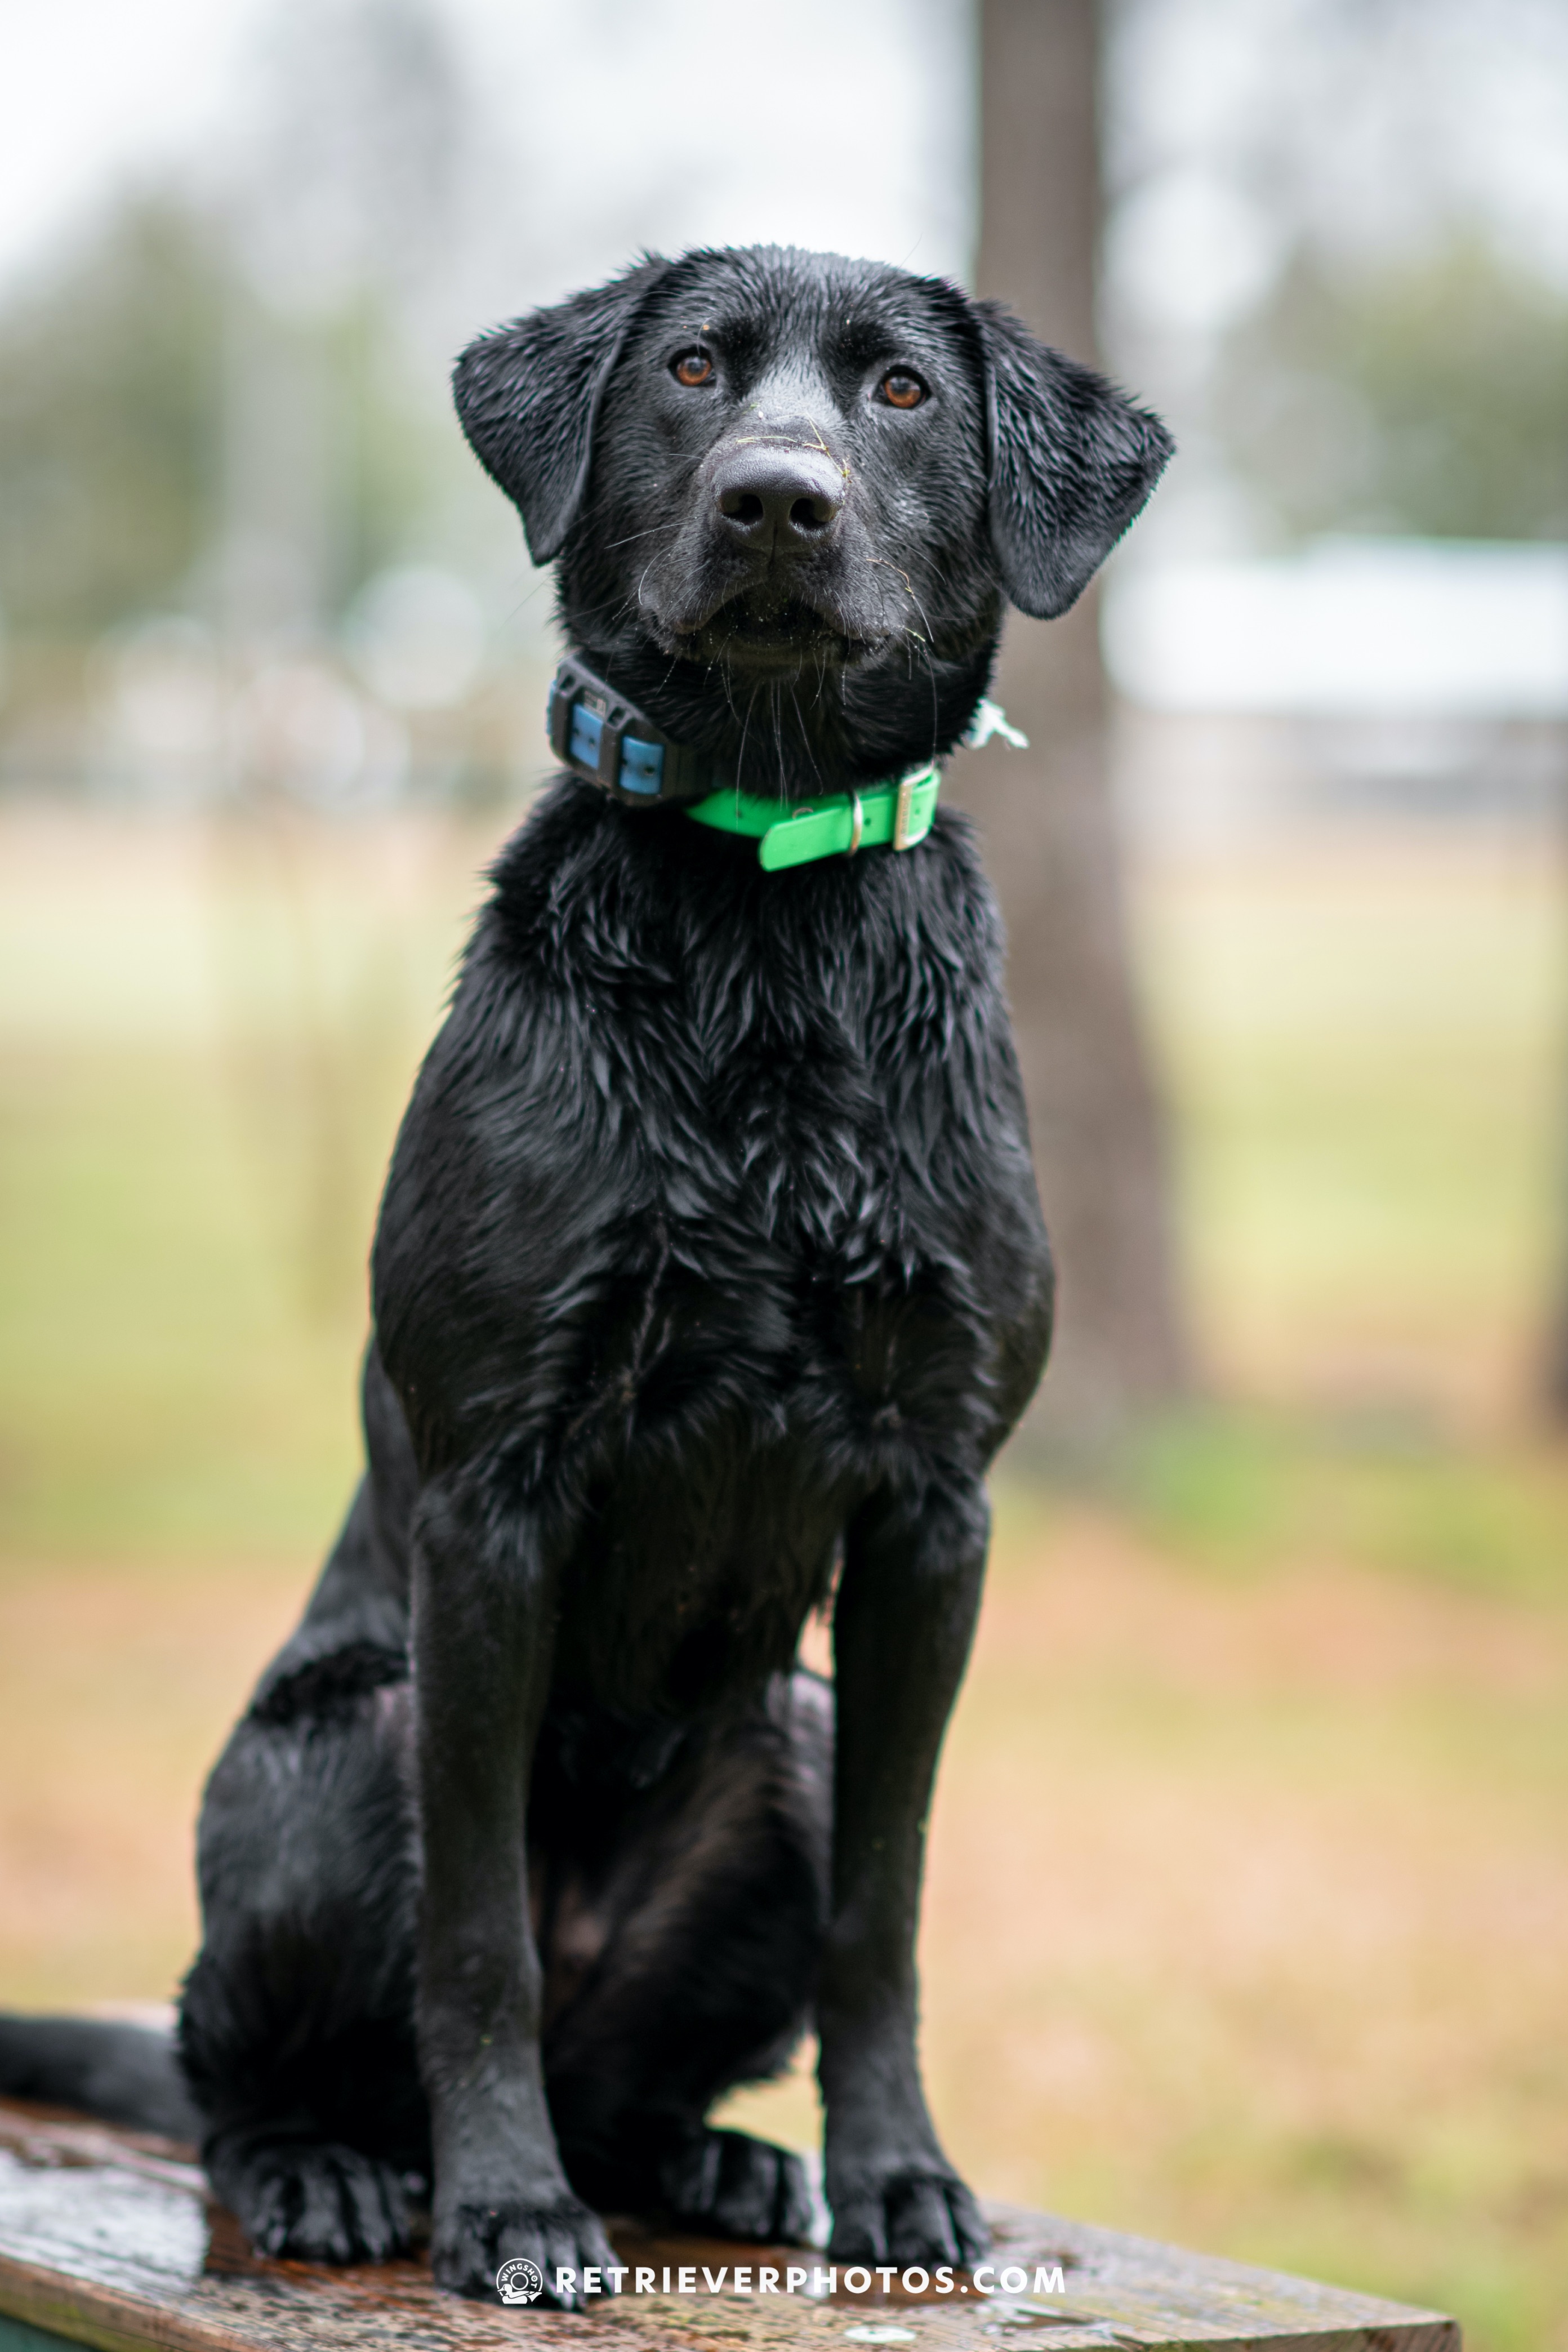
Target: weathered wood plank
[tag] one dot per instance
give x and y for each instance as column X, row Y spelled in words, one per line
column 111, row 2239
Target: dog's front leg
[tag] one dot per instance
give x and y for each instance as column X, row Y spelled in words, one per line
column 483, row 1612
column 901, row 1630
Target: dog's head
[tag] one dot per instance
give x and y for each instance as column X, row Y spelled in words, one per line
column 766, row 471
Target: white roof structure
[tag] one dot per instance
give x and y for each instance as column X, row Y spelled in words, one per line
column 1350, row 628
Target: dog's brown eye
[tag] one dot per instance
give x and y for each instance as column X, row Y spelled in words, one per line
column 693, row 368
column 902, row 391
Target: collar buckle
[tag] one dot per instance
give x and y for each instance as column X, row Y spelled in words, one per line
column 903, row 809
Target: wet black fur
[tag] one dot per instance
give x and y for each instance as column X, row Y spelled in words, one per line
column 709, row 1278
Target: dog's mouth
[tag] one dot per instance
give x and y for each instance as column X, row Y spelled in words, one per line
column 753, row 631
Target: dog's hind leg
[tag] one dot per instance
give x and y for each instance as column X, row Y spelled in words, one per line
column 687, row 1964
column 297, row 2029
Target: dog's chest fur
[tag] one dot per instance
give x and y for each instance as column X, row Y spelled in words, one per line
column 706, row 1211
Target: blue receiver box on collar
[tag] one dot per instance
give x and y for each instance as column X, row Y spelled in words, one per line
column 598, row 734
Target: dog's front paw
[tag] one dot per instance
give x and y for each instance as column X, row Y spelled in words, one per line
column 909, row 2216
column 315, row 2202
column 564, row 2241
column 739, row 2187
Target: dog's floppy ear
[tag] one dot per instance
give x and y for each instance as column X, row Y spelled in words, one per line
column 1072, row 460
column 528, row 397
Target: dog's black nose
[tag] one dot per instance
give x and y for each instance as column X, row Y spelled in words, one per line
column 772, row 494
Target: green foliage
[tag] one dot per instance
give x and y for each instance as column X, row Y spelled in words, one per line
column 152, row 407
column 383, row 453
column 1426, row 396
column 110, row 440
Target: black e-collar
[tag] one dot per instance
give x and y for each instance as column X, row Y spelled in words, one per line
column 599, row 735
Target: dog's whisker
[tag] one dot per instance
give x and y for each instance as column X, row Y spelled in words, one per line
column 654, row 530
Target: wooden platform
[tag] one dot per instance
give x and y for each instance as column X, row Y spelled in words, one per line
column 111, row 2239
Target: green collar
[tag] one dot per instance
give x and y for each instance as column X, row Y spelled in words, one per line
column 895, row 815
column 599, row 735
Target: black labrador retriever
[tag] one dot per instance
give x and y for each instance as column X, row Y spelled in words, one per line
column 709, row 1277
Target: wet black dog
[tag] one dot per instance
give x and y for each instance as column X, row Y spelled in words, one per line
column 709, row 1277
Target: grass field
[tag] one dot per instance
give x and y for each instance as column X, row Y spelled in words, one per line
column 1249, row 1914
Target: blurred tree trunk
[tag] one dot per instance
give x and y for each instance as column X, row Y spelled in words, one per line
column 1047, row 817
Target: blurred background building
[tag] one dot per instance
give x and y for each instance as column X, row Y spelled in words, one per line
column 1279, row 1640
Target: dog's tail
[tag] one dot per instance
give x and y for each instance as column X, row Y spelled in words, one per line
column 120, row 2074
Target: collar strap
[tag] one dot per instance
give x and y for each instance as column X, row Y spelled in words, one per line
column 894, row 815
column 599, row 735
